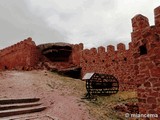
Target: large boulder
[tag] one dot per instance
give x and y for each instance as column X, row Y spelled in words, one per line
column 59, row 59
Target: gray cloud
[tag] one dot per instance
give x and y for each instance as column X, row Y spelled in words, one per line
column 17, row 22
column 92, row 22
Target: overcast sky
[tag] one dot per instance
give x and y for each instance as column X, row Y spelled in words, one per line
column 92, row 22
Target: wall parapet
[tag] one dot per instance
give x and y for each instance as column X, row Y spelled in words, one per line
column 157, row 16
column 22, row 55
column 139, row 22
column 17, row 46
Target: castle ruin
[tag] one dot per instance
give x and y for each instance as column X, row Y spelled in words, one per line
column 137, row 68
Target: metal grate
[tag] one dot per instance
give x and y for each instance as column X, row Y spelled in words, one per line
column 101, row 84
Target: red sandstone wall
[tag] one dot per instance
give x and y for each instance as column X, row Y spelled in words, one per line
column 148, row 65
column 136, row 68
column 117, row 63
column 22, row 55
column 76, row 53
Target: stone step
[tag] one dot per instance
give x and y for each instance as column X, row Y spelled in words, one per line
column 15, row 101
column 30, row 117
column 20, row 111
column 19, row 105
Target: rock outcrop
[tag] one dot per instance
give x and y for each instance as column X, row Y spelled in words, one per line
column 59, row 58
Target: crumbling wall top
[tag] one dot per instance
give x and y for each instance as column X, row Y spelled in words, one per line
column 93, row 51
column 139, row 22
column 101, row 49
column 157, row 16
column 81, row 46
column 18, row 45
column 121, row 47
column 110, row 48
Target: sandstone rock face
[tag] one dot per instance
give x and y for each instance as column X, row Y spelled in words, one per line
column 62, row 58
column 57, row 52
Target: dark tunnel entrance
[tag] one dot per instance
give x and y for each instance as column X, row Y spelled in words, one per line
column 58, row 53
column 74, row 72
column 60, row 59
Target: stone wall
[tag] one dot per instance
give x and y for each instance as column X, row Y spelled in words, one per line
column 23, row 55
column 146, row 54
column 137, row 68
column 109, row 61
column 76, row 53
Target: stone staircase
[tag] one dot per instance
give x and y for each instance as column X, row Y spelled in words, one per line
column 14, row 107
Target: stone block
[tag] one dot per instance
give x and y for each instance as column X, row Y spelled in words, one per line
column 139, row 22
column 151, row 100
column 147, row 84
column 155, row 72
column 157, row 16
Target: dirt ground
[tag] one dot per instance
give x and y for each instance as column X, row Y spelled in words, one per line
column 61, row 95
column 62, row 101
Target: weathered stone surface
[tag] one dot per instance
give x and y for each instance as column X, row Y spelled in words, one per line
column 127, row 108
column 19, row 56
column 147, row 84
column 157, row 16
column 63, row 58
column 139, row 22
column 57, row 51
column 151, row 100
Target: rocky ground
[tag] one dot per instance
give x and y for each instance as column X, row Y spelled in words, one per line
column 62, row 96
